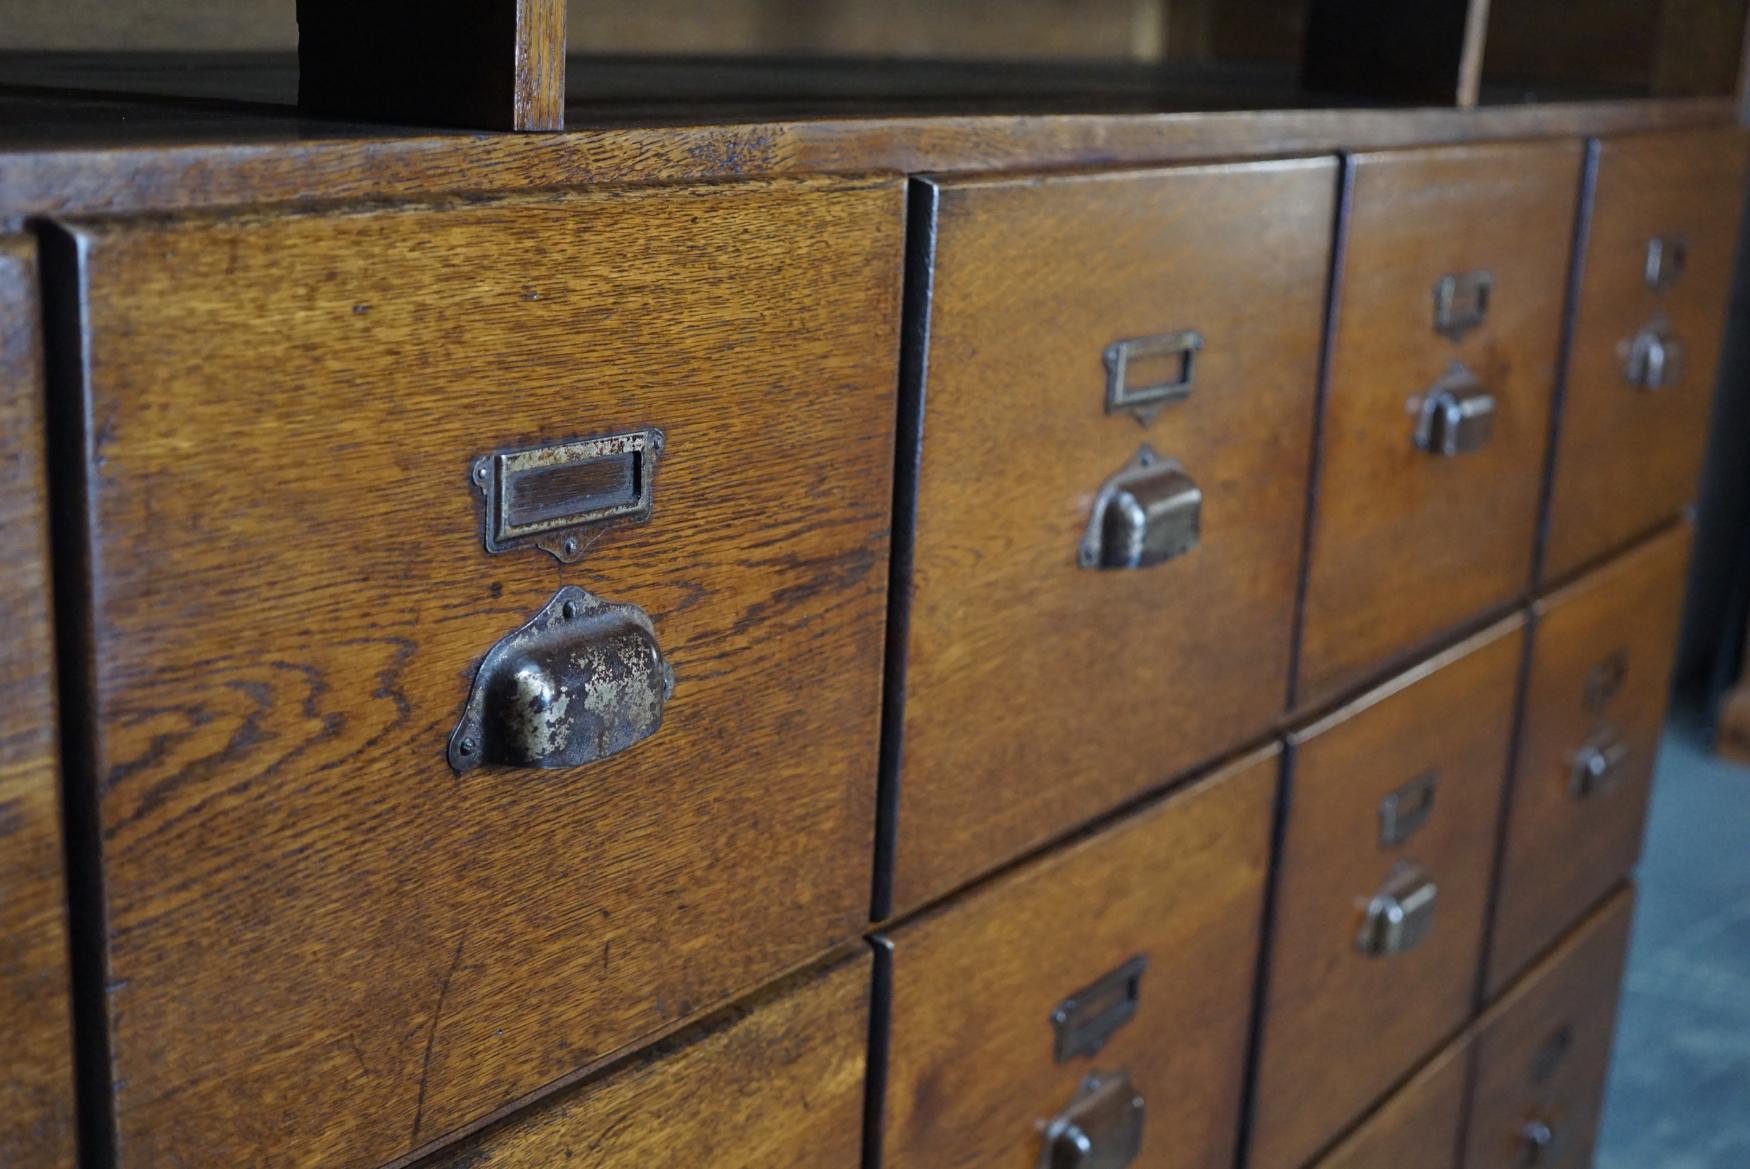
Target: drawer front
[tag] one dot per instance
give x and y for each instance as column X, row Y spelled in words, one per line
column 778, row 1080
column 1601, row 661
column 1419, row 1126
column 36, row 1076
column 1115, row 971
column 1542, row 1052
column 1433, row 441
column 1629, row 449
column 1039, row 692
column 326, row 943
column 1393, row 806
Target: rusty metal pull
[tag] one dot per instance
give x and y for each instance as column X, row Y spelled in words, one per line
column 1400, row 916
column 1456, row 417
column 1101, row 1128
column 582, row 680
column 1599, row 765
column 1148, row 513
column 1654, row 359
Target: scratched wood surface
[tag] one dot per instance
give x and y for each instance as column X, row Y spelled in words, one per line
column 1039, row 693
column 1340, row 1027
column 1543, row 1051
column 325, row 947
column 971, row 1074
column 1601, row 661
column 36, row 1070
column 1419, row 1126
column 1407, row 546
column 776, row 1080
column 1627, row 460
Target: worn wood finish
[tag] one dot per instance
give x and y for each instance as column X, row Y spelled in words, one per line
column 1542, row 1051
column 1341, row 1027
column 485, row 64
column 1038, row 693
column 1627, row 459
column 1413, row 52
column 1407, row 545
column 60, row 157
column 971, row 1070
column 777, row 1080
column 1602, row 652
column 36, row 1075
column 1419, row 1126
column 325, row 947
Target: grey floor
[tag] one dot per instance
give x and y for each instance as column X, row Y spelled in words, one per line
column 1679, row 1095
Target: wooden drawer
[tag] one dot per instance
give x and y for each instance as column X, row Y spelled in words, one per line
column 1628, row 457
column 36, row 1074
column 326, row 945
column 1419, row 1126
column 1127, row 957
column 1601, row 660
column 1543, row 1051
column 1039, row 693
column 1398, row 790
column 778, row 1080
column 1410, row 543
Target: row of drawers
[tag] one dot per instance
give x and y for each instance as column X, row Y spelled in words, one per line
column 1023, row 671
column 1094, row 1007
column 325, row 937
column 781, row 1081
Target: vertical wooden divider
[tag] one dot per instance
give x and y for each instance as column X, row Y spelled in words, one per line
column 474, row 64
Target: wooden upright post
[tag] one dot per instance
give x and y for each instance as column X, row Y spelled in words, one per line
column 478, row 64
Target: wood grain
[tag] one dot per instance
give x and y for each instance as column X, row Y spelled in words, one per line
column 485, row 64
column 1341, row 1027
column 1429, row 52
column 1406, row 545
column 1038, row 693
column 1421, row 1123
column 325, row 947
column 36, row 1075
column 971, row 1074
column 1627, row 460
column 776, row 1080
column 1602, row 654
column 1542, row 1052
column 60, row 157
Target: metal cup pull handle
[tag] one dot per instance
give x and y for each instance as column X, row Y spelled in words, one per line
column 1537, row 1144
column 582, row 680
column 1399, row 917
column 1149, row 512
column 1598, row 766
column 1456, row 417
column 1654, row 359
column 1101, row 1128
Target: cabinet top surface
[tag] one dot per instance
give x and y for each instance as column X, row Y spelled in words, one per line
column 101, row 134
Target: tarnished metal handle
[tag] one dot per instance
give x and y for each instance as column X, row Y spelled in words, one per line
column 1654, row 359
column 1537, row 1143
column 1100, row 1129
column 1147, row 513
column 1599, row 765
column 1457, row 415
column 1400, row 916
column 584, row 679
